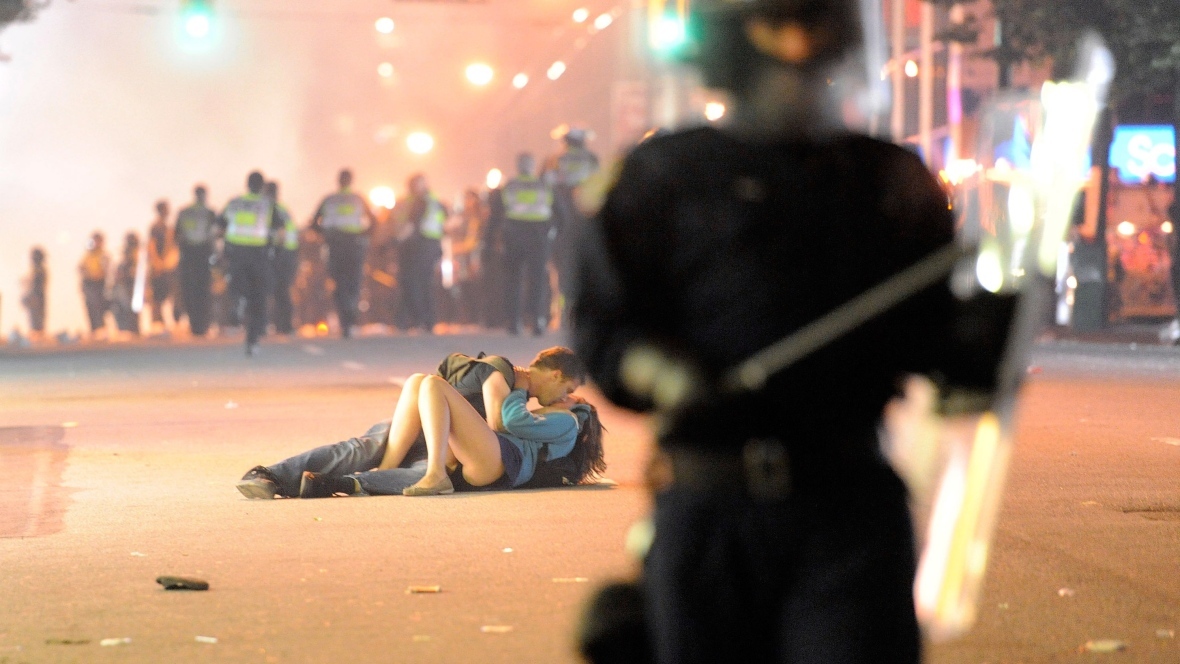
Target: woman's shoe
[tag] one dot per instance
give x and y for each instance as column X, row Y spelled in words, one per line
column 441, row 489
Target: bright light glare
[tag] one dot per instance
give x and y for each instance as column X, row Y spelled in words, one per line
column 495, row 177
column 669, row 33
column 714, row 111
column 480, row 74
column 603, row 21
column 1167, row 227
column 420, row 142
column 385, row 70
column 384, row 25
column 1022, row 211
column 989, row 272
column 911, row 68
column 383, row 197
column 1126, row 229
column 520, row 80
column 197, row 26
column 1071, row 282
column 581, row 14
column 556, row 70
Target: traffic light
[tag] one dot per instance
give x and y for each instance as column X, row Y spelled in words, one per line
column 197, row 17
column 667, row 27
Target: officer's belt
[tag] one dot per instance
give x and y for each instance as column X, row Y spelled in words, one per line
column 762, row 470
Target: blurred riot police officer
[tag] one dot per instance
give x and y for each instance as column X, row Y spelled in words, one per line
column 420, row 220
column 528, row 220
column 568, row 171
column 248, row 222
column 345, row 222
column 780, row 531
column 196, row 231
column 285, row 263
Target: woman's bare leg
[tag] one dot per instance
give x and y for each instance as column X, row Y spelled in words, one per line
column 407, row 424
column 451, row 425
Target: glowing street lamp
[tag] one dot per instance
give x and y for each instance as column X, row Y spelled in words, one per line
column 603, row 21
column 480, row 74
column 556, row 70
column 581, row 15
column 385, row 70
column 383, row 197
column 420, row 142
column 495, row 178
column 197, row 17
column 911, row 68
column 384, row 25
column 714, row 111
column 520, row 80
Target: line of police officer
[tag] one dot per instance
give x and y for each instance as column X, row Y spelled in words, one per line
column 261, row 243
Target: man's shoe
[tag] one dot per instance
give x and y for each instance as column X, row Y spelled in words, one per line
column 441, row 489
column 319, row 485
column 259, row 484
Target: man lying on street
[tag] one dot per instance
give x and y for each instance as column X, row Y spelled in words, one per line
column 542, row 456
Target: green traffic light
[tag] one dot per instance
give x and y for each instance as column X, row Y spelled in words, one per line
column 197, row 16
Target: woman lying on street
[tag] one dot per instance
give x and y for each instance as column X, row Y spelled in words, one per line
column 456, row 434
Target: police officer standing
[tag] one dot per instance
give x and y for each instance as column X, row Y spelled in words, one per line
column 421, row 220
column 528, row 220
column 780, row 531
column 248, row 222
column 285, row 263
column 196, row 231
column 568, row 171
column 345, row 221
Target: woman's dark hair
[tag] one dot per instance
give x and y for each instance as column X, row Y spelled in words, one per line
column 587, row 455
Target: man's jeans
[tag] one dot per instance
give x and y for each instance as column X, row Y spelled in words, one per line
column 355, row 457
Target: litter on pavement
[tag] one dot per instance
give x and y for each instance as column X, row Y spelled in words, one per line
column 206, row 639
column 423, row 590
column 182, row 583
column 1104, row 645
column 496, row 629
column 1066, row 592
column 115, row 642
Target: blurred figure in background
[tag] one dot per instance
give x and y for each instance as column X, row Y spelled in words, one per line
column 420, row 219
column 528, row 215
column 163, row 257
column 345, row 221
column 492, row 263
column 34, row 299
column 248, row 221
column 382, row 270
column 123, row 288
column 285, row 263
column 465, row 233
column 196, row 232
column 311, row 284
column 568, row 170
column 95, row 269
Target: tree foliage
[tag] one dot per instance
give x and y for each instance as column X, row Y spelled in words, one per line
column 13, row 11
column 1143, row 36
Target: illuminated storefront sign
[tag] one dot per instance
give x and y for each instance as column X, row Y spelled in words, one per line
column 1139, row 151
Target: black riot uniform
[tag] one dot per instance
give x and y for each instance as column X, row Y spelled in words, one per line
column 784, row 534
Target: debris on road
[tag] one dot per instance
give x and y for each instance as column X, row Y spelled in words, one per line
column 136, row 554
column 66, row 642
column 182, row 583
column 423, row 590
column 507, row 550
column 230, row 405
column 1103, row 646
column 1090, row 503
column 1175, row 442
column 496, row 629
column 1003, row 606
column 115, row 642
column 571, row 579
column 319, row 518
column 206, row 639
column 1066, row 592
column 69, row 425
column 1165, row 633
column 421, row 638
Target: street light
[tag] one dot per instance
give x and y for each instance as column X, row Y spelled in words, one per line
column 714, row 111
column 495, row 177
column 197, row 17
column 603, row 21
column 420, row 142
column 385, row 70
column 384, row 25
column 520, row 80
column 383, row 197
column 556, row 70
column 480, row 74
column 581, row 15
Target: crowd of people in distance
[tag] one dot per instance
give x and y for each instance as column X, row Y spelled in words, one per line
column 496, row 259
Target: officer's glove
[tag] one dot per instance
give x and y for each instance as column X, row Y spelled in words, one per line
column 671, row 383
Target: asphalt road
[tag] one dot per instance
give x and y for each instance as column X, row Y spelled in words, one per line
column 118, row 466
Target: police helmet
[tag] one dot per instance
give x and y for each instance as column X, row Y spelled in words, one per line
column 727, row 58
